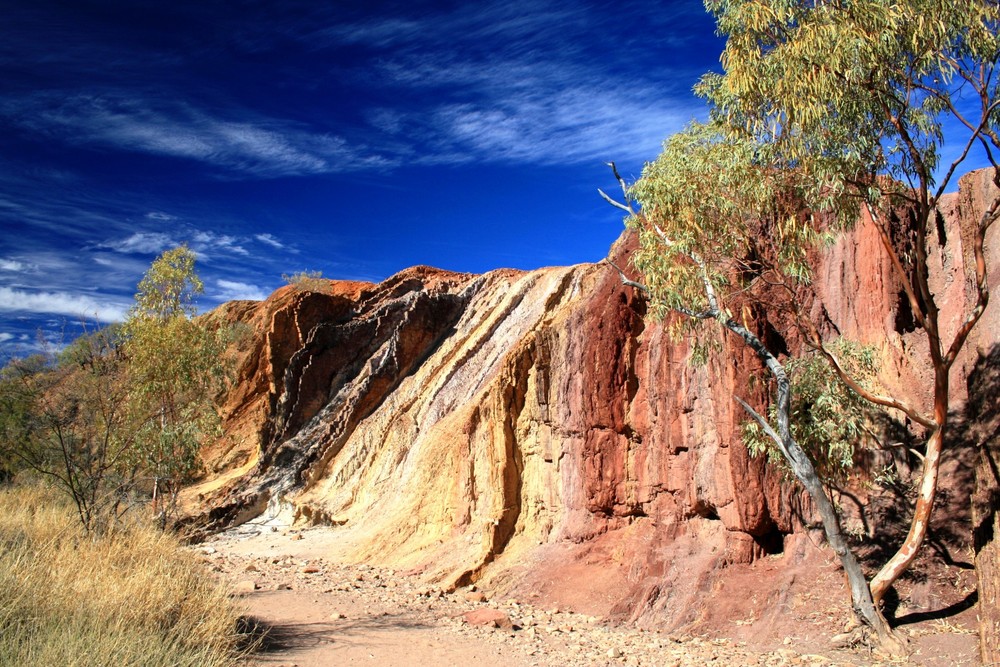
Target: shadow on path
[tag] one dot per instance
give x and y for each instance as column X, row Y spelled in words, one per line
column 266, row 638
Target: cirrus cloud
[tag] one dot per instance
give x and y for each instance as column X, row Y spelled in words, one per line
column 61, row 303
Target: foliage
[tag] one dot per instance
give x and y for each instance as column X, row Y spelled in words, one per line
column 16, row 410
column 118, row 402
column 174, row 371
column 305, row 280
column 713, row 209
column 130, row 597
column 828, row 419
column 168, row 289
column 856, row 97
column 67, row 420
column 825, row 109
column 121, row 404
column 822, row 108
column 847, row 91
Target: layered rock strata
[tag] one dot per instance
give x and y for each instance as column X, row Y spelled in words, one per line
column 529, row 431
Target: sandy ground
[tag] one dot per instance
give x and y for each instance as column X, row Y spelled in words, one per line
column 314, row 611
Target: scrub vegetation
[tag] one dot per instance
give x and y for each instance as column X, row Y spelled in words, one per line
column 118, row 417
column 129, row 597
column 91, row 440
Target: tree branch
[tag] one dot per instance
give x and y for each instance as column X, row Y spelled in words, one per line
column 765, row 426
column 814, row 341
column 627, row 206
column 616, row 204
column 625, row 281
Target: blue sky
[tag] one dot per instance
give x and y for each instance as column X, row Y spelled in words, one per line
column 352, row 138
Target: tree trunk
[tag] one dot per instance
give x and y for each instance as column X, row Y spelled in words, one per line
column 901, row 560
column 864, row 606
column 156, row 495
column 985, row 534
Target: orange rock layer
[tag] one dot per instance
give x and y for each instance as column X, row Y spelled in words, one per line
column 534, row 432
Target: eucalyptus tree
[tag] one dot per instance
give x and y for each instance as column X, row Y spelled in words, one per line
column 721, row 233
column 825, row 109
column 174, row 372
column 858, row 96
column 64, row 417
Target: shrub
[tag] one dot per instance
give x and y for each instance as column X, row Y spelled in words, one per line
column 306, row 281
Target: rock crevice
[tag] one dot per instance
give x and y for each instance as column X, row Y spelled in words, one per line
column 517, row 429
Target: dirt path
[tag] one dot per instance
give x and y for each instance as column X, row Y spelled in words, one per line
column 318, row 612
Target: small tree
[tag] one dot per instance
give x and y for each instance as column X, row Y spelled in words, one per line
column 705, row 204
column 120, row 401
column 828, row 419
column 66, row 419
column 174, row 371
column 826, row 109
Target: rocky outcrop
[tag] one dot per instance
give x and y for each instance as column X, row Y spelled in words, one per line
column 531, row 430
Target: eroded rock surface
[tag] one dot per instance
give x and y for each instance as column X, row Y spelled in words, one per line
column 534, row 433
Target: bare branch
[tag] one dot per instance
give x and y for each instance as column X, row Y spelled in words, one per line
column 627, row 206
column 625, row 281
column 621, row 181
column 616, row 204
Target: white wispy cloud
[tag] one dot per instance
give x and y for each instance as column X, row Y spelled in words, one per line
column 231, row 290
column 512, row 83
column 160, row 216
column 525, row 21
column 238, row 141
column 61, row 303
column 205, row 242
column 62, row 213
column 142, row 242
column 568, row 127
column 12, row 265
column 269, row 240
column 6, row 337
column 565, row 124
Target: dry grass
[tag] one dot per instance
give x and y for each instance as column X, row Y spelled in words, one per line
column 127, row 598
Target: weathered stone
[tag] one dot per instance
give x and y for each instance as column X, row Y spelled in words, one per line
column 244, row 587
column 491, row 618
column 475, row 596
column 460, row 426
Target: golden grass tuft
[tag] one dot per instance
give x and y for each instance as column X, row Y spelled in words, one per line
column 130, row 597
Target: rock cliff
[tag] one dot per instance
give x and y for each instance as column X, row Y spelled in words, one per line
column 529, row 431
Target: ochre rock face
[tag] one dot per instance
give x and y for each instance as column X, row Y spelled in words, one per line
column 535, row 432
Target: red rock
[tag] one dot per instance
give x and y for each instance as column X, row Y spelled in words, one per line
column 535, row 429
column 490, row 618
